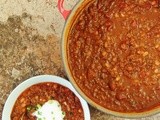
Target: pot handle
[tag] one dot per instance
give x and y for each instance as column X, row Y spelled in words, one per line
column 62, row 10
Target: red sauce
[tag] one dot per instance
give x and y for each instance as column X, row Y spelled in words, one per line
column 39, row 94
column 114, row 54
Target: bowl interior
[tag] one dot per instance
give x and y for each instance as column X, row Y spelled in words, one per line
column 35, row 80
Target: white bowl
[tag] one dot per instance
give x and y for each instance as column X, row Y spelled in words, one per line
column 35, row 80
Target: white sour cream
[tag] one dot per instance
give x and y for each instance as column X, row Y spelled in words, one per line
column 51, row 110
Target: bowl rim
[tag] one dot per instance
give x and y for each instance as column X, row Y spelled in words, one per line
column 68, row 25
column 36, row 80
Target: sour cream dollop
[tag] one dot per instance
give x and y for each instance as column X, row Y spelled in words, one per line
column 51, row 110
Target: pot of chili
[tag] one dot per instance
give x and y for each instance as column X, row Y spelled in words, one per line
column 45, row 97
column 111, row 54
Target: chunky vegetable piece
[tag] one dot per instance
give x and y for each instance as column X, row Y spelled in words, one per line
column 31, row 100
column 114, row 54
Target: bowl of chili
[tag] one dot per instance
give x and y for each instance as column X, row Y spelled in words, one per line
column 36, row 97
column 111, row 54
